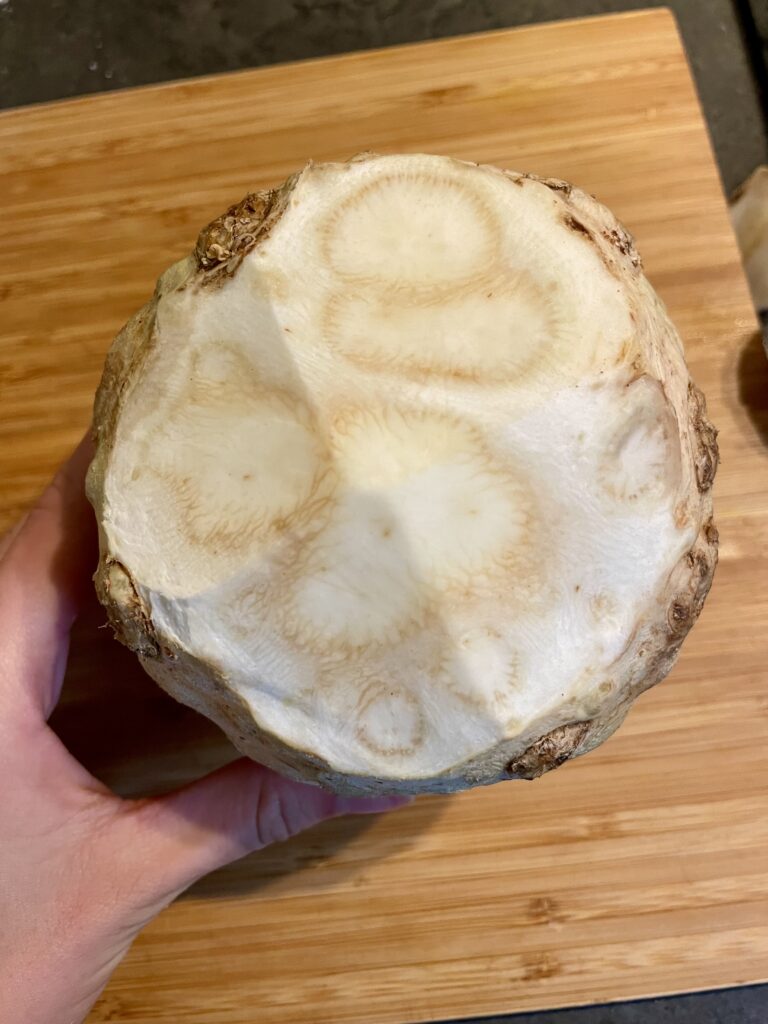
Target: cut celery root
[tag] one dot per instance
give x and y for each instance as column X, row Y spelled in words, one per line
column 401, row 477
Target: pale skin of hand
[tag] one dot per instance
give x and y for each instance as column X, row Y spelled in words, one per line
column 81, row 869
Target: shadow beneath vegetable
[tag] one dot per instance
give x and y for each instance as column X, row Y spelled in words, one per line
column 121, row 725
column 317, row 860
column 752, row 374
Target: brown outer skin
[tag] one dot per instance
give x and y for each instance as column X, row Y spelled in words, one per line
column 650, row 654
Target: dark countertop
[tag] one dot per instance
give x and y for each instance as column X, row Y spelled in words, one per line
column 747, row 1005
column 51, row 49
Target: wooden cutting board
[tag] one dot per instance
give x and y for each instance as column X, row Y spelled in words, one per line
column 642, row 868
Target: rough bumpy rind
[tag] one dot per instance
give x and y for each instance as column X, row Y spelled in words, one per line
column 222, row 245
column 648, row 657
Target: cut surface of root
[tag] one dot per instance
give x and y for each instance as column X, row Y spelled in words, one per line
column 402, row 483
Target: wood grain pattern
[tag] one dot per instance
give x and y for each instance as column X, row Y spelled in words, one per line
column 638, row 870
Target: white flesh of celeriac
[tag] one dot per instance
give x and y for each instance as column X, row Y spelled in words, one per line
column 400, row 478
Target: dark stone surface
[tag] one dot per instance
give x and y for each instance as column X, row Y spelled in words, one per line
column 757, row 13
column 51, row 49
column 729, row 1006
column 55, row 48
column 754, row 17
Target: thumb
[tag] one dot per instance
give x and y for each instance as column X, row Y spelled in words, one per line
column 235, row 810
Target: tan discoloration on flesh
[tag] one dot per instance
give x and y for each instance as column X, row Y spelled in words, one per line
column 682, row 515
column 220, row 387
column 654, row 417
column 603, row 606
column 272, row 286
column 466, row 363
column 627, row 349
column 408, row 739
column 420, row 589
column 461, row 192
column 501, row 701
column 237, row 530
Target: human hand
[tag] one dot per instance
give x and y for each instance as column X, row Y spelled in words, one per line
column 82, row 870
